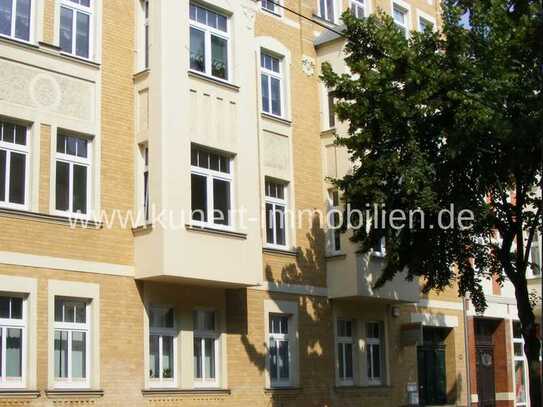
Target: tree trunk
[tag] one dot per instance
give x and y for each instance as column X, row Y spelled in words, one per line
column 532, row 345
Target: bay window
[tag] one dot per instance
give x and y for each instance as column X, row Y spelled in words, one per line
column 14, row 163
column 162, row 346
column 206, row 349
column 271, row 80
column 15, row 19
column 345, row 351
column 279, row 350
column 276, row 207
column 73, row 170
column 374, row 353
column 211, row 184
column 71, row 342
column 12, row 341
column 76, row 19
column 209, row 50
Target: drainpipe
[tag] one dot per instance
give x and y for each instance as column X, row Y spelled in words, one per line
column 466, row 351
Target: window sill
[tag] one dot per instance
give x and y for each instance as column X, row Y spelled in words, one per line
column 283, row 392
column 49, row 46
column 329, row 132
column 220, row 232
column 46, row 218
column 284, row 252
column 19, row 394
column 213, row 80
column 21, row 43
column 276, row 118
column 271, row 13
column 336, row 256
column 81, row 60
column 184, row 392
column 329, row 23
column 141, row 74
column 74, row 393
column 143, row 229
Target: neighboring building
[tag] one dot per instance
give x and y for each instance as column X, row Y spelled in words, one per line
column 110, row 106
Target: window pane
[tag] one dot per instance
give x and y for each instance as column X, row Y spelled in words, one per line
column 62, row 190
column 14, row 352
column 3, row 170
column 265, row 93
column 82, row 35
column 16, row 308
column 5, row 17
column 198, row 358
column 59, row 306
column 280, row 225
column 340, row 359
column 79, row 351
column 20, row 135
column 80, row 189
column 17, row 174
column 66, row 22
column 376, row 361
column 221, row 23
column 219, row 57
column 80, row 312
column 153, row 357
column 276, row 96
column 61, row 143
column 167, row 357
column 221, row 202
column 348, row 361
column 71, row 145
column 81, row 147
column 520, row 385
column 273, row 359
column 269, row 224
column 330, row 10
column 283, row 360
column 4, row 307
column 199, row 197
column 61, row 354
column 161, row 317
column 209, row 361
column 518, row 351
column 8, row 134
column 22, row 22
column 197, row 50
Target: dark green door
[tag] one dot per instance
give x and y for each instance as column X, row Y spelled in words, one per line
column 432, row 375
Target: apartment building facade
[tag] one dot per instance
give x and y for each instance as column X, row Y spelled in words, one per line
column 207, row 121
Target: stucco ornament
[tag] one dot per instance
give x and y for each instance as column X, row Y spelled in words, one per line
column 250, row 14
column 45, row 91
column 308, row 65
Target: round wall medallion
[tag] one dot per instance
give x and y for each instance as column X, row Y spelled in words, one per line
column 45, row 91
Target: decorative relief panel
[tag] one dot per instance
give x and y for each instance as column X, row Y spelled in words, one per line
column 35, row 88
column 276, row 158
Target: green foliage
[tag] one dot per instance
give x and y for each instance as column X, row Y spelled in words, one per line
column 449, row 117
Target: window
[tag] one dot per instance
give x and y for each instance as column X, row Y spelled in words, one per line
column 536, row 257
column 208, row 42
column 162, row 347
column 15, row 19
column 75, row 27
column 327, row 9
column 358, row 8
column 206, row 349
column 279, row 351
column 331, row 111
column 73, row 165
column 145, row 12
column 270, row 81
column 12, row 341
column 379, row 249
column 344, row 340
column 400, row 14
column 71, row 342
column 425, row 24
column 520, row 367
column 334, row 232
column 374, row 352
column 145, row 154
column 272, row 6
column 276, row 205
column 211, row 183
column 14, row 159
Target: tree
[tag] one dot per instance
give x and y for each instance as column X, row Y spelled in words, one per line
column 453, row 117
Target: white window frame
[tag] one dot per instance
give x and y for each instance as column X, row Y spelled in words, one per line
column 342, row 341
column 278, row 10
column 31, row 27
column 22, row 324
column 406, row 10
column 426, row 17
column 19, row 149
column 372, row 381
column 78, row 8
column 281, row 337
column 359, row 4
column 145, row 34
column 524, row 360
column 536, row 256
column 72, row 160
column 161, row 332
column 332, row 250
column 382, row 252
column 210, row 175
column 202, row 335
column 323, row 13
column 145, row 194
column 276, row 202
column 277, row 75
column 208, row 32
column 72, row 327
